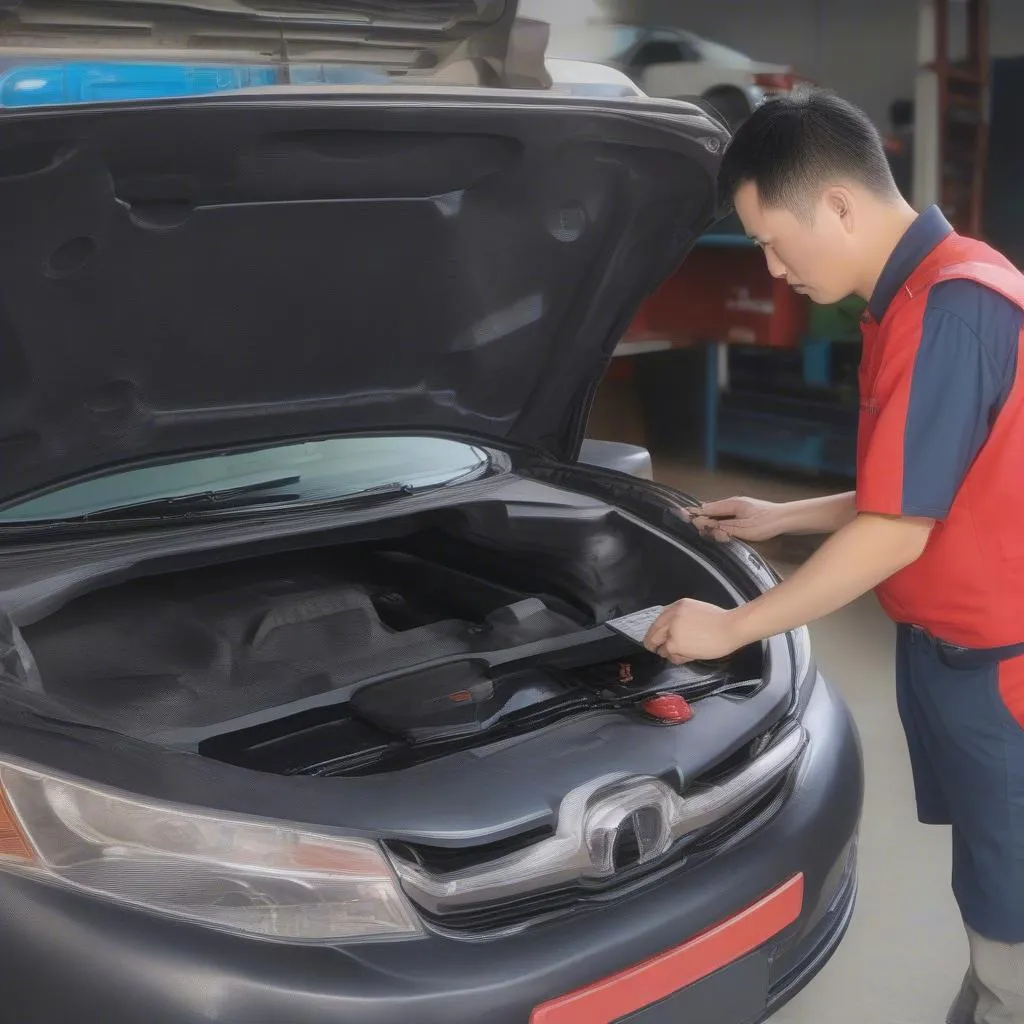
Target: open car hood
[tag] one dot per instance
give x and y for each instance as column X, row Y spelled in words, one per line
column 192, row 276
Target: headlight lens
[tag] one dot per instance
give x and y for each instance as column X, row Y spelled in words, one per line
column 257, row 878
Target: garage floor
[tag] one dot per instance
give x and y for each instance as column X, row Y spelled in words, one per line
column 905, row 953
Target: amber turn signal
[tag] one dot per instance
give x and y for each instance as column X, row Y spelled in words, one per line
column 13, row 844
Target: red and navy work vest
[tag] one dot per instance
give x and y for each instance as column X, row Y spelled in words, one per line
column 968, row 586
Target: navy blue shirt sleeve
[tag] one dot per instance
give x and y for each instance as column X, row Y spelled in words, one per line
column 963, row 372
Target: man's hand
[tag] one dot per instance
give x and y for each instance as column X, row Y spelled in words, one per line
column 693, row 631
column 747, row 519
column 753, row 520
column 856, row 559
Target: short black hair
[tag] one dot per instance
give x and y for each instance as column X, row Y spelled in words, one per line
column 794, row 146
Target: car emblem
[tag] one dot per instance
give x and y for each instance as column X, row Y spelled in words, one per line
column 627, row 826
column 606, row 827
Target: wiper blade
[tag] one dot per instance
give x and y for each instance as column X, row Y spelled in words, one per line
column 381, row 491
column 237, row 497
column 201, row 503
column 197, row 499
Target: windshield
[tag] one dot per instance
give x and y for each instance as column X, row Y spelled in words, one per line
column 312, row 471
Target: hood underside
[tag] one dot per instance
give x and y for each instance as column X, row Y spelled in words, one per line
column 219, row 273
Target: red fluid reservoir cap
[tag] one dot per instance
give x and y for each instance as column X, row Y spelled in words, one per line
column 668, row 707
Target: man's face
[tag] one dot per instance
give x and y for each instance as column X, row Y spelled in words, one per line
column 814, row 255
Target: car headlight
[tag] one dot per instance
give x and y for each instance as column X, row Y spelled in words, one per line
column 257, row 878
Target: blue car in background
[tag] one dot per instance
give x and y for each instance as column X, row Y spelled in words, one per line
column 49, row 84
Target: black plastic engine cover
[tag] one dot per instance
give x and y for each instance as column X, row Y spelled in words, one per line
column 452, row 701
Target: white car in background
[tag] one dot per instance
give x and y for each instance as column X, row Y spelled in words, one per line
column 675, row 64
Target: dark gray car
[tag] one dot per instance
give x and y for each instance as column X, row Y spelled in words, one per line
column 318, row 696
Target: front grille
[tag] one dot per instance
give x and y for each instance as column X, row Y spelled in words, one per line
column 443, row 860
column 736, row 829
column 510, row 915
column 542, row 906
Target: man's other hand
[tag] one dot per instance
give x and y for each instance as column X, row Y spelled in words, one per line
column 747, row 519
column 693, row 631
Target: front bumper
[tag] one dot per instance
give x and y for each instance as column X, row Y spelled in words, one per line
column 64, row 954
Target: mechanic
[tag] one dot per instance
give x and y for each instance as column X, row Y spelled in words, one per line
column 934, row 523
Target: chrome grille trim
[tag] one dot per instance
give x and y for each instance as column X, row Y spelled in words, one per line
column 590, row 820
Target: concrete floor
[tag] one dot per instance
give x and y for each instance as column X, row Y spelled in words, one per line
column 905, row 953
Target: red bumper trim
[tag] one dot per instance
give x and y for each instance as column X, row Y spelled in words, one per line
column 633, row 989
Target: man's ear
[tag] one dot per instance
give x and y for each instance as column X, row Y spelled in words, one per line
column 839, row 201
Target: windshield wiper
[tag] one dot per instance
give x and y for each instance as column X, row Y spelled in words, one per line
column 236, row 497
column 227, row 496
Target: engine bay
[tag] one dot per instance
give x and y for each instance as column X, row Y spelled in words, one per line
column 420, row 716
column 342, row 659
